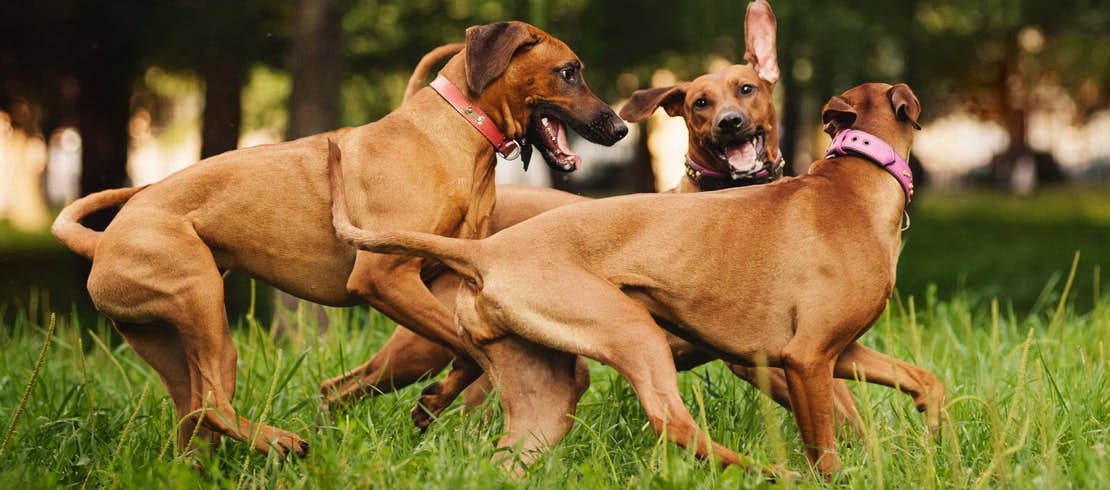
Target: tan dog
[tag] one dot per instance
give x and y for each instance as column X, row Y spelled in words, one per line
column 792, row 272
column 728, row 112
column 265, row 210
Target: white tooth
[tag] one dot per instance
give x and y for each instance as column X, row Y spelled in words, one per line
column 544, row 121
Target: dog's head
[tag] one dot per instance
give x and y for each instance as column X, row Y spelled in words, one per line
column 730, row 114
column 531, row 84
column 887, row 111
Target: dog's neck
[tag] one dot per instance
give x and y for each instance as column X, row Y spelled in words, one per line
column 476, row 117
column 872, row 185
column 854, row 142
column 705, row 178
column 492, row 101
column 444, row 128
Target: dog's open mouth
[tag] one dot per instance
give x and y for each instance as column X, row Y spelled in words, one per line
column 744, row 154
column 549, row 134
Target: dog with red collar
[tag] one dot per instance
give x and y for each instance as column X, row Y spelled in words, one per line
column 156, row 269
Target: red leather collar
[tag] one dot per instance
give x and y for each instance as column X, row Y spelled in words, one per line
column 507, row 148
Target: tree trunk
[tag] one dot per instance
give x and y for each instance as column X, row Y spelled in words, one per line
column 105, row 67
column 791, row 121
column 223, row 110
column 316, row 65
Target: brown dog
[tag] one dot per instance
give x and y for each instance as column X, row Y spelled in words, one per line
column 792, row 272
column 265, row 210
column 727, row 113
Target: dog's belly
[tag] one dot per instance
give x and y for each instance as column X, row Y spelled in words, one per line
column 308, row 262
column 319, row 281
column 746, row 337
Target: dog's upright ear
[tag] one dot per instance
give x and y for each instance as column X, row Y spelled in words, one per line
column 837, row 115
column 490, row 47
column 644, row 102
column 905, row 104
column 759, row 41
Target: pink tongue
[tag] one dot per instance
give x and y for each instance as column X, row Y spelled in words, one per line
column 561, row 138
column 742, row 158
column 570, row 159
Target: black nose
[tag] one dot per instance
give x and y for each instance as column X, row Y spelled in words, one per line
column 606, row 130
column 730, row 122
column 620, row 129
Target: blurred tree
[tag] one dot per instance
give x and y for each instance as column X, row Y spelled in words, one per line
column 76, row 60
column 219, row 40
column 991, row 55
column 315, row 62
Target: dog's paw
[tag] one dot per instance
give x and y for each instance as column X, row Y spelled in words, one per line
column 421, row 418
column 284, row 442
column 424, row 412
column 780, row 473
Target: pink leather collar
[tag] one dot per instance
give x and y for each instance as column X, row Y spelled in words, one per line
column 853, row 142
column 508, row 148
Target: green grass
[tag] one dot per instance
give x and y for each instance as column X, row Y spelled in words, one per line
column 1029, row 407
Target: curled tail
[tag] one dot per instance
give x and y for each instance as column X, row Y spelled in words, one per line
column 458, row 254
column 67, row 227
column 420, row 73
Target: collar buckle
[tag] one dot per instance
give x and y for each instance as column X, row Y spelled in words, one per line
column 509, row 149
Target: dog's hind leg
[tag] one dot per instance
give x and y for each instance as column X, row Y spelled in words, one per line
column 540, row 389
column 160, row 346
column 927, row 391
column 196, row 310
column 608, row 326
column 201, row 322
column 212, row 358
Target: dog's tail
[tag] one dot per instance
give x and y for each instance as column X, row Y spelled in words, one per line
column 458, row 254
column 420, row 73
column 67, row 227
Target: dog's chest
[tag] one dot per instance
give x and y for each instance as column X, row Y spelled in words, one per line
column 476, row 197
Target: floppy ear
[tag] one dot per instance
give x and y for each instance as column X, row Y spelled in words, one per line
column 644, row 102
column 490, row 47
column 905, row 104
column 759, row 41
column 838, row 114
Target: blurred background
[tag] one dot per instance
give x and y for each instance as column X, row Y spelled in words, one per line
column 1013, row 161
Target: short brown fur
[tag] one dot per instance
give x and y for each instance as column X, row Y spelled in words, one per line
column 819, row 251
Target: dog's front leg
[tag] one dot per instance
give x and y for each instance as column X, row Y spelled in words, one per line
column 404, row 359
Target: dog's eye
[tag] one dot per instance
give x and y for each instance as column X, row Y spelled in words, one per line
column 569, row 73
column 747, row 89
column 701, row 103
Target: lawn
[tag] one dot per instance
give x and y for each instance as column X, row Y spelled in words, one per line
column 1026, row 373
